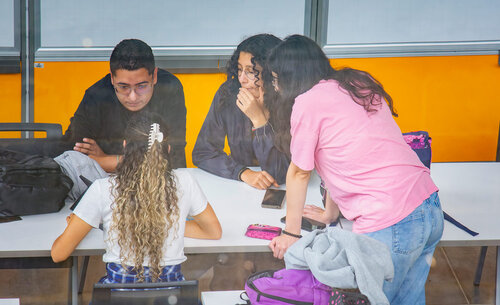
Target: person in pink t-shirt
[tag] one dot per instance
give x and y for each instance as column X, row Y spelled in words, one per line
column 339, row 122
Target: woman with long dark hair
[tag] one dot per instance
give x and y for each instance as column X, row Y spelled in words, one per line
column 142, row 208
column 340, row 123
column 238, row 113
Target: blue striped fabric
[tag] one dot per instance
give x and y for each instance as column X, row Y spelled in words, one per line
column 116, row 273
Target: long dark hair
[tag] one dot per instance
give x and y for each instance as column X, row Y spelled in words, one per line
column 259, row 46
column 300, row 64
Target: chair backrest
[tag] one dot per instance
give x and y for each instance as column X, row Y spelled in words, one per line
column 54, row 131
column 50, row 146
column 166, row 293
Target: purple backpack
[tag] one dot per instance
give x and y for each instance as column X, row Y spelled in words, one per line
column 298, row 287
column 286, row 286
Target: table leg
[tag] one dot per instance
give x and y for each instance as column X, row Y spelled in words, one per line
column 74, row 281
column 497, row 282
column 83, row 274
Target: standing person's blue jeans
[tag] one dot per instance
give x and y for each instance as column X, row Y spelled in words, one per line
column 412, row 242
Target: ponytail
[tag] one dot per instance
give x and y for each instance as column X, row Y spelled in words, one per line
column 145, row 199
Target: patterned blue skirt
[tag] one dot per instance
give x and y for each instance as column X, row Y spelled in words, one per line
column 116, row 273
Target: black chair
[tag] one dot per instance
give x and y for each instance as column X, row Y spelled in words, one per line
column 484, row 249
column 167, row 293
column 52, row 145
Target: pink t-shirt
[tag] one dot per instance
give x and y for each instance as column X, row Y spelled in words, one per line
column 372, row 174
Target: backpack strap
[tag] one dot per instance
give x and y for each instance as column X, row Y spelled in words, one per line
column 245, row 298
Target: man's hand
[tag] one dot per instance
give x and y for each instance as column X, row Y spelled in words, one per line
column 92, row 149
column 252, row 107
column 280, row 244
column 89, row 147
column 261, row 179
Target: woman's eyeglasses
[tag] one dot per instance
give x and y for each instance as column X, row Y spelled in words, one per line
column 251, row 75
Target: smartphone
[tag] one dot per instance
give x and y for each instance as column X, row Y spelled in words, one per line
column 273, row 199
column 308, row 224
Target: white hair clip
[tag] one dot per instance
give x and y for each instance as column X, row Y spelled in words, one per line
column 155, row 135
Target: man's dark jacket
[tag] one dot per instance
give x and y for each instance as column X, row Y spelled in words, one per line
column 101, row 116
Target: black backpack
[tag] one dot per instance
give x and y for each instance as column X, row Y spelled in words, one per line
column 31, row 184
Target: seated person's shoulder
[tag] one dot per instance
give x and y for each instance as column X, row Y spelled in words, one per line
column 224, row 91
column 102, row 88
column 104, row 82
column 182, row 176
column 167, row 78
column 225, row 86
column 105, row 183
column 185, row 180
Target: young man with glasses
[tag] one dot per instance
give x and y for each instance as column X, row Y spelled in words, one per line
column 134, row 85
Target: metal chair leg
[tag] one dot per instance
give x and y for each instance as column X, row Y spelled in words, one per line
column 83, row 274
column 480, row 264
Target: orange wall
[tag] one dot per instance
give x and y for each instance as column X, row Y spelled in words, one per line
column 59, row 88
column 10, row 101
column 199, row 90
column 454, row 98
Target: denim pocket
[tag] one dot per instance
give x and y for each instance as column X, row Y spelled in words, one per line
column 408, row 234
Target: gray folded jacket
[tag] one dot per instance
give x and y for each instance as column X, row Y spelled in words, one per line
column 74, row 164
column 342, row 259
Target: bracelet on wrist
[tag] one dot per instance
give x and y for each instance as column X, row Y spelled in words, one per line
column 241, row 172
column 291, row 234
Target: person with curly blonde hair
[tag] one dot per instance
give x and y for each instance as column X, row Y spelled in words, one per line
column 142, row 209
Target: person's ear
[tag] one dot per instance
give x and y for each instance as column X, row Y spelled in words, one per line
column 112, row 80
column 124, row 143
column 155, row 74
column 168, row 148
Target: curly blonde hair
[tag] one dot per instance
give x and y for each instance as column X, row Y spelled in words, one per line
column 145, row 199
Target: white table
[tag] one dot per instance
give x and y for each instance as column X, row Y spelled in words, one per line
column 236, row 204
column 469, row 192
column 9, row 301
column 227, row 297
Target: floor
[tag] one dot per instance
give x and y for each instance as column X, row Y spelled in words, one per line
column 450, row 280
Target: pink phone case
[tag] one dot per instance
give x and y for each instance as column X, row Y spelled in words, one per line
column 262, row 231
